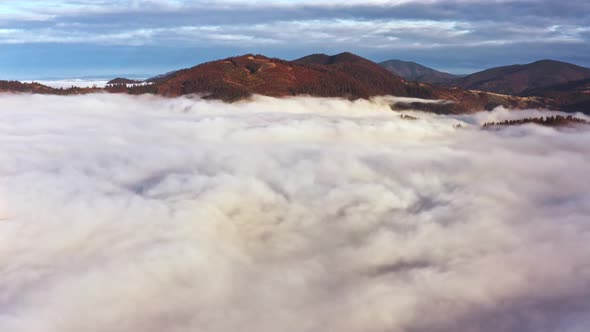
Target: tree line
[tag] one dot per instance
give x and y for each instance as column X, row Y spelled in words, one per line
column 555, row 120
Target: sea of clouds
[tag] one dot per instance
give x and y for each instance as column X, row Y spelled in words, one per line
column 68, row 83
column 126, row 214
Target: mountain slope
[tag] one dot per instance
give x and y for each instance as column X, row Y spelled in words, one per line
column 516, row 79
column 570, row 96
column 416, row 72
column 161, row 76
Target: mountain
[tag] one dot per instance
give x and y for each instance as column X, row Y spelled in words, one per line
column 343, row 75
column 516, row 79
column 416, row 72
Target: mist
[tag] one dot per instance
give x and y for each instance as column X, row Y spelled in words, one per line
column 121, row 213
column 68, row 83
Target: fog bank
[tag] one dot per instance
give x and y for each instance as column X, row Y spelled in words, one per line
column 121, row 213
column 68, row 83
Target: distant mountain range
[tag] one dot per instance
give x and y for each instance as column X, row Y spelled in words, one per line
column 561, row 85
column 518, row 79
column 416, row 72
column 350, row 76
column 343, row 75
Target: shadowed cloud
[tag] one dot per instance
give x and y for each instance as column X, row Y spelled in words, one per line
column 121, row 213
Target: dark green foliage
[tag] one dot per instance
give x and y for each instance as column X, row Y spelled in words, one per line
column 551, row 121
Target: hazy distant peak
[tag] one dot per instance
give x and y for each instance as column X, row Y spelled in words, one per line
column 416, row 72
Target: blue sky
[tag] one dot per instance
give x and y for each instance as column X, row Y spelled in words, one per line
column 43, row 39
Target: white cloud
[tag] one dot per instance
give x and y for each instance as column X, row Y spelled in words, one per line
column 122, row 213
column 82, row 83
column 368, row 33
column 395, row 34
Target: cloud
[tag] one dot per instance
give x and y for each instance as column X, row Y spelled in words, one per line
column 82, row 83
column 439, row 33
column 122, row 213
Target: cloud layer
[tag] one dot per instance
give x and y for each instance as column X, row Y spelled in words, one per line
column 122, row 213
column 458, row 35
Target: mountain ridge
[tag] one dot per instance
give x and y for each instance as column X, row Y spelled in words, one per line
column 416, row 72
column 343, row 75
column 518, row 78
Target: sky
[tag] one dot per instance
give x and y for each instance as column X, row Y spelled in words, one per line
column 82, row 38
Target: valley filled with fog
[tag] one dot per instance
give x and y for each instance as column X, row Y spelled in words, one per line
column 122, row 213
